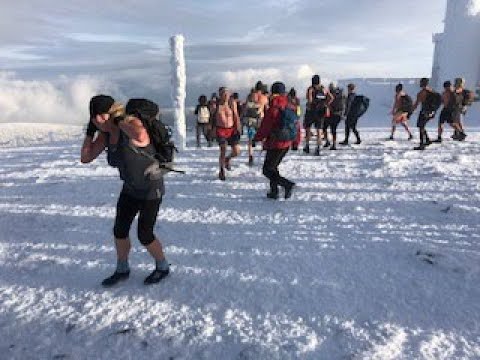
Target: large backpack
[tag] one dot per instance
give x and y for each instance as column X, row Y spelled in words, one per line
column 203, row 116
column 338, row 104
column 433, row 101
column 160, row 134
column 251, row 110
column 406, row 104
column 359, row 106
column 287, row 130
column 468, row 97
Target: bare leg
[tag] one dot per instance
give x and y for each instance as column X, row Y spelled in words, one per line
column 155, row 249
column 405, row 125
column 123, row 247
column 223, row 150
column 198, row 135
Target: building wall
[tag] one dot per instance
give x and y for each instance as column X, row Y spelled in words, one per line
column 457, row 50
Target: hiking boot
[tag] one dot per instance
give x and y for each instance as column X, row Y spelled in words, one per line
column 344, row 142
column 156, row 276
column 358, row 142
column 419, row 147
column 462, row 136
column 327, row 144
column 288, row 190
column 317, row 151
column 438, row 140
column 306, row 149
column 410, row 137
column 391, row 137
column 272, row 195
column 333, row 147
column 250, row 160
column 115, row 278
column 221, row 174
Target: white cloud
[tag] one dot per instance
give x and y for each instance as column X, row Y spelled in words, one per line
column 474, row 7
column 340, row 49
column 63, row 101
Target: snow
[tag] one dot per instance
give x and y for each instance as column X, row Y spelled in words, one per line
column 179, row 83
column 376, row 256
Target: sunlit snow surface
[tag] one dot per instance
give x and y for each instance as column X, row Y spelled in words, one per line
column 377, row 256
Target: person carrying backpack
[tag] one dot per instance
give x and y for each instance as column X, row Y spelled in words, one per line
column 319, row 99
column 279, row 130
column 448, row 111
column 463, row 99
column 352, row 113
column 337, row 110
column 127, row 140
column 425, row 97
column 203, row 120
column 402, row 109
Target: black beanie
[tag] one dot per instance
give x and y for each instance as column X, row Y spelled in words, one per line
column 278, row 88
column 100, row 104
column 143, row 108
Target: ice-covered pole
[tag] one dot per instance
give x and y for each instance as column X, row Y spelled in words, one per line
column 179, row 82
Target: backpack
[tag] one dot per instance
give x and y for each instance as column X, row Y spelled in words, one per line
column 433, row 101
column 359, row 106
column 203, row 116
column 406, row 104
column 287, row 131
column 319, row 98
column 251, row 110
column 468, row 97
column 338, row 104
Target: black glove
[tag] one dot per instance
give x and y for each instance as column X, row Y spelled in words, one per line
column 91, row 129
column 117, row 120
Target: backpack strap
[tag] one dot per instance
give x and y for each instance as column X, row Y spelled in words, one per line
column 155, row 160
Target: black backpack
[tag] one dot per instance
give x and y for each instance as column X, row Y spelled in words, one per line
column 359, row 106
column 468, row 97
column 338, row 103
column 406, row 104
column 433, row 101
column 160, row 134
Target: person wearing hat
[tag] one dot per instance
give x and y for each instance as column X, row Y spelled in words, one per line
column 276, row 149
column 124, row 135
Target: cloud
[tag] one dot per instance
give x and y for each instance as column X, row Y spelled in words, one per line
column 340, row 49
column 63, row 101
column 474, row 7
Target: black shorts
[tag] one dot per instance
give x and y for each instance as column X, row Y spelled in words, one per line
column 127, row 209
column 313, row 117
column 446, row 116
column 423, row 119
column 332, row 122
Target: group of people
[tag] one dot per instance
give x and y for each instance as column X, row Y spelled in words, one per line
column 130, row 136
column 454, row 102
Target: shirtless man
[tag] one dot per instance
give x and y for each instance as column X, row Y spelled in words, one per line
column 424, row 115
column 319, row 99
column 261, row 101
column 399, row 115
column 448, row 112
column 228, row 125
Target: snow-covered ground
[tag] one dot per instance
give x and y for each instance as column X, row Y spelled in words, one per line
column 376, row 256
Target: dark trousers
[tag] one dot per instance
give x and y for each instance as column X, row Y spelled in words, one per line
column 422, row 124
column 270, row 169
column 351, row 125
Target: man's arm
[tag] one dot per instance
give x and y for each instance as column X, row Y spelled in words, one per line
column 418, row 101
column 91, row 149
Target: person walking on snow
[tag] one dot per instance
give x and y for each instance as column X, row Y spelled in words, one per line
column 276, row 149
column 123, row 137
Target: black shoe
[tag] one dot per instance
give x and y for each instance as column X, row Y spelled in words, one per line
column 306, row 149
column 317, row 151
column 288, row 190
column 272, row 195
column 462, row 136
column 156, row 276
column 428, row 142
column 345, row 142
column 327, row 144
column 221, row 174
column 333, row 147
column 391, row 137
column 410, row 137
column 437, row 141
column 358, row 142
column 420, row 147
column 250, row 160
column 115, row 278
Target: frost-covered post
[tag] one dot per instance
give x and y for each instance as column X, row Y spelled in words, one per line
column 179, row 82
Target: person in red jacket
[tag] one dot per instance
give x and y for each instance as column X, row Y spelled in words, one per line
column 276, row 149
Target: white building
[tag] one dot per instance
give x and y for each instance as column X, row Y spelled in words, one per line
column 457, row 49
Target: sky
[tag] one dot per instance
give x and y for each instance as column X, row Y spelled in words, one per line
column 122, row 46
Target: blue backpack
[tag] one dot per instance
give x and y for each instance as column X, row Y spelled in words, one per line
column 287, row 131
